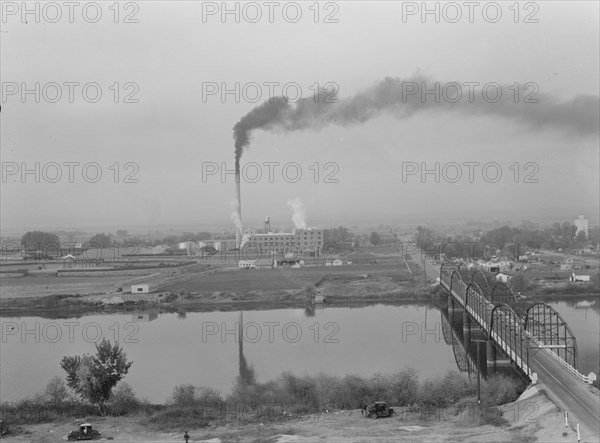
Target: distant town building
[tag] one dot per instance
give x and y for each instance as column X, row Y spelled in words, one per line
column 503, row 278
column 582, row 225
column 501, row 266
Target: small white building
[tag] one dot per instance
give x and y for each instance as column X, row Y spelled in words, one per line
column 334, row 262
column 144, row 316
column 246, row 264
column 145, row 288
column 574, row 277
column 503, row 278
column 261, row 263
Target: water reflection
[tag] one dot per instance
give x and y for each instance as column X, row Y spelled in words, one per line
column 178, row 348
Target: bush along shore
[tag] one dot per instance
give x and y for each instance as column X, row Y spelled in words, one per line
column 287, row 398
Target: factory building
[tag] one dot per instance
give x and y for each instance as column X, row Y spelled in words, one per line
column 299, row 242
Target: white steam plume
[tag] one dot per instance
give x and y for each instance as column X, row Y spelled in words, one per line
column 235, row 215
column 299, row 213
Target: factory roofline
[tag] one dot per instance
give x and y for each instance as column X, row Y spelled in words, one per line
column 288, row 233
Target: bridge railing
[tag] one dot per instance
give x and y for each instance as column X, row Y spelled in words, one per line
column 589, row 379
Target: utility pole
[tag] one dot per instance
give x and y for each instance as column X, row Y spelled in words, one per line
column 478, row 371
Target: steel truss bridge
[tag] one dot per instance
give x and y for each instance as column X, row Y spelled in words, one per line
column 520, row 331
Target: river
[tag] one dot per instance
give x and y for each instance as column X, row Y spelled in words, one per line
column 203, row 348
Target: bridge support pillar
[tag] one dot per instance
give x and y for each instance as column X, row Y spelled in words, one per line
column 494, row 358
column 454, row 310
column 466, row 327
column 490, row 354
column 471, row 330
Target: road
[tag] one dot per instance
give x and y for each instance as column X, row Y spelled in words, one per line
column 569, row 393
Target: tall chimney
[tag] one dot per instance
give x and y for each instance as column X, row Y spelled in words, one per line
column 238, row 197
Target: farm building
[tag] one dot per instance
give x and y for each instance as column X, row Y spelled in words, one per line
column 145, row 288
column 574, row 277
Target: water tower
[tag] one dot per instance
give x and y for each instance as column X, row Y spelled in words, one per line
column 267, row 224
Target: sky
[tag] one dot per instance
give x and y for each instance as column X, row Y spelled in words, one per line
column 161, row 133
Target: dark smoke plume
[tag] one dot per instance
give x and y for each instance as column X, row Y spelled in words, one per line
column 578, row 116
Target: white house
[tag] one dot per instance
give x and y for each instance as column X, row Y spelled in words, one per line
column 574, row 277
column 145, row 288
column 504, row 278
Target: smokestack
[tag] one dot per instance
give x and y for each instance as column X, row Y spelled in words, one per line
column 238, row 197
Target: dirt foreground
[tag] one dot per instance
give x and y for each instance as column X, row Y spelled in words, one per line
column 532, row 418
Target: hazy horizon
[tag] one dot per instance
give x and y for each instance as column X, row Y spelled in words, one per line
column 153, row 161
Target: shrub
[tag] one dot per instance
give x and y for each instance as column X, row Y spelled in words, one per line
column 56, row 391
column 403, row 387
column 301, row 391
column 499, row 389
column 183, row 396
column 123, row 400
column 441, row 391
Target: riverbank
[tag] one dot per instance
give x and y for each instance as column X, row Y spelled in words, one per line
column 63, row 306
column 534, row 418
column 69, row 305
column 202, row 288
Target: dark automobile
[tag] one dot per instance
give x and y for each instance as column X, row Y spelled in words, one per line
column 377, row 409
column 85, row 432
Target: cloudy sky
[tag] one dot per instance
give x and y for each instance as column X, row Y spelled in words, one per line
column 357, row 157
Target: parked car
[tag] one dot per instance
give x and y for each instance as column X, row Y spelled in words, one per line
column 377, row 409
column 85, row 432
column 3, row 428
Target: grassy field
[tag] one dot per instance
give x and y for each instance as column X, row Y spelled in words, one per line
column 242, row 280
